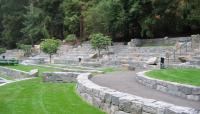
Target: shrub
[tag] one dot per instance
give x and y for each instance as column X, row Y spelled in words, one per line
column 2, row 50
column 70, row 38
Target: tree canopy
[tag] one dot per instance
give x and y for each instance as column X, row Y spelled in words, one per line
column 29, row 21
column 50, row 47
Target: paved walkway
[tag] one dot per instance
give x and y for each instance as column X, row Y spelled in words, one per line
column 126, row 82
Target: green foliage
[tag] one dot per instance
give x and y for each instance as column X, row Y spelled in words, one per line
column 9, row 62
column 50, row 46
column 71, row 15
column 109, row 18
column 12, row 21
column 26, row 48
column 71, row 38
column 28, row 21
column 100, row 42
column 2, row 50
column 35, row 24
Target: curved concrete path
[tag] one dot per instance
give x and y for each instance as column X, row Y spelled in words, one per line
column 126, row 82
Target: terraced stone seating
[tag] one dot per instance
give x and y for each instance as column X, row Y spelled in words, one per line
column 8, row 61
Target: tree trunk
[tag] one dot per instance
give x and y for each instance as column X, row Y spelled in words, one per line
column 81, row 27
column 99, row 54
column 50, row 58
column 126, row 22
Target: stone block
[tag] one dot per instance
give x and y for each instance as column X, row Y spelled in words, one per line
column 136, row 107
column 34, row 73
column 196, row 91
column 113, row 109
column 178, row 110
column 121, row 112
column 115, row 98
column 125, row 104
column 193, row 97
column 96, row 102
column 185, row 89
column 162, row 88
column 106, row 107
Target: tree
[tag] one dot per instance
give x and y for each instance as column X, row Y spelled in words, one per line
column 108, row 20
column 50, row 46
column 35, row 24
column 100, row 42
column 12, row 21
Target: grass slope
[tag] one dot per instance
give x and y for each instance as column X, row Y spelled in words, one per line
column 35, row 97
column 184, row 76
column 28, row 68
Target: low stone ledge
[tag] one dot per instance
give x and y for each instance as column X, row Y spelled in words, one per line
column 185, row 91
column 18, row 74
column 63, row 77
column 115, row 102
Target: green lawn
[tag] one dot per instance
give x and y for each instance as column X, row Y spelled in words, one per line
column 184, row 76
column 109, row 69
column 28, row 68
column 35, row 97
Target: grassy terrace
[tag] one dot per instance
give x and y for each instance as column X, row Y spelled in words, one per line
column 184, row 76
column 34, row 96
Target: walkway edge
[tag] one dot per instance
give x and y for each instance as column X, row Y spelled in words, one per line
column 115, row 102
column 185, row 91
column 16, row 81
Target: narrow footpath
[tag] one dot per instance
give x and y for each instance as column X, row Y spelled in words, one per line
column 126, row 82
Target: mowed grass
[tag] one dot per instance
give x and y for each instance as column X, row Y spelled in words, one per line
column 28, row 68
column 35, row 97
column 183, row 75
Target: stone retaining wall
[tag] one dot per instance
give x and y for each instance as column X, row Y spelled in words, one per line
column 186, row 91
column 18, row 74
column 63, row 77
column 163, row 41
column 114, row 102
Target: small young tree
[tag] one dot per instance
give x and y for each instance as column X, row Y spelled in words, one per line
column 50, row 46
column 100, row 42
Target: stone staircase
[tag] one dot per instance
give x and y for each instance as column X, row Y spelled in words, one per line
column 13, row 54
column 72, row 55
column 185, row 50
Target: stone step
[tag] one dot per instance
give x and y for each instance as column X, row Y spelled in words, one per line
column 196, row 57
column 195, row 62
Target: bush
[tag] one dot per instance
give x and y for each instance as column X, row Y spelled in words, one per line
column 70, row 38
column 2, row 50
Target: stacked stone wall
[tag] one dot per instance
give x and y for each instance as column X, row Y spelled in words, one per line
column 114, row 102
column 186, row 91
column 17, row 74
column 63, row 77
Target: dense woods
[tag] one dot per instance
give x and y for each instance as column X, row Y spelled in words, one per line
column 29, row 21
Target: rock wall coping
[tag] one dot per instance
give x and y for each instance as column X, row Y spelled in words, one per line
column 18, row 74
column 115, row 102
column 186, row 91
